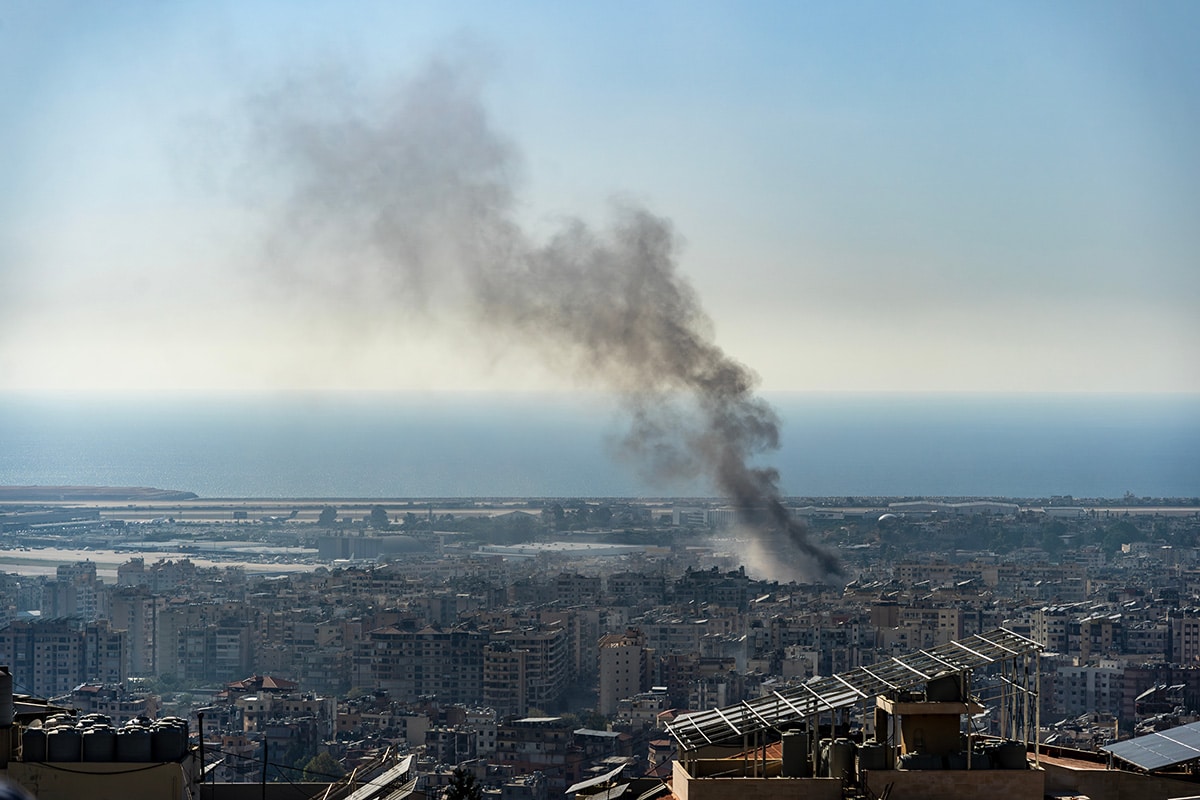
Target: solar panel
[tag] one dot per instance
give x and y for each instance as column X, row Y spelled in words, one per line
column 778, row 709
column 1160, row 750
column 608, row 776
column 381, row 782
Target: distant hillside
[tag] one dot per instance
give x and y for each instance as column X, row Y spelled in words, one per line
column 91, row 493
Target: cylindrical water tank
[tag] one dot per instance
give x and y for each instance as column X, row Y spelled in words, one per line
column 33, row 744
column 63, row 744
column 920, row 761
column 794, row 745
column 99, row 743
column 872, row 756
column 134, row 745
column 956, row 760
column 841, row 759
column 1010, row 755
column 168, row 741
column 6, row 698
column 182, row 724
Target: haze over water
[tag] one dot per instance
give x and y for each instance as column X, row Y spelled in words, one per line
column 513, row 445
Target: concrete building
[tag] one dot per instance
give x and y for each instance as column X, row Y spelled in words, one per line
column 506, row 678
column 1082, row 690
column 135, row 609
column 625, row 668
column 46, row 656
column 447, row 664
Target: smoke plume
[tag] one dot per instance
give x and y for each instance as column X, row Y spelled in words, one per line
column 411, row 197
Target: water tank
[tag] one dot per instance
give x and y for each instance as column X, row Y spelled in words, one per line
column 6, row 698
column 795, row 755
column 134, row 745
column 946, row 690
column 980, row 759
column 872, row 756
column 99, row 743
column 63, row 744
column 841, row 759
column 956, row 760
column 1010, row 755
column 920, row 761
column 168, row 741
column 33, row 744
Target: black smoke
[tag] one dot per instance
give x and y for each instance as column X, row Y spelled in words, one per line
column 409, row 196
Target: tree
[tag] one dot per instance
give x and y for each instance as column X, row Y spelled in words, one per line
column 323, row 768
column 1119, row 533
column 328, row 517
column 462, row 786
column 379, row 518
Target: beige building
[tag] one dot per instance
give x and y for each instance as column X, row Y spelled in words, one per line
column 135, row 609
column 625, row 668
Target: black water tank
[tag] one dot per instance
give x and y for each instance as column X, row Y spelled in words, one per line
column 872, row 756
column 33, row 744
column 134, row 745
column 1011, row 755
column 99, row 743
column 796, row 758
column 945, row 690
column 168, row 741
column 63, row 744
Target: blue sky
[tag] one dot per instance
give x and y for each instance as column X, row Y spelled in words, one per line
column 870, row 196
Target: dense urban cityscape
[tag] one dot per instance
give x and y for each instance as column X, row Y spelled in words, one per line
column 536, row 644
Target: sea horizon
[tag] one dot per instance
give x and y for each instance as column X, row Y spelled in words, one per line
column 282, row 445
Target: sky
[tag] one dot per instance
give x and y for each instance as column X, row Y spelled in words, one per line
column 864, row 196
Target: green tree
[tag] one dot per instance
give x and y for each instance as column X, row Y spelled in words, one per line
column 328, row 517
column 322, row 768
column 462, row 786
column 379, row 518
column 1119, row 533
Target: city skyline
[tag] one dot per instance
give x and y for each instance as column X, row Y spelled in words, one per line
column 867, row 198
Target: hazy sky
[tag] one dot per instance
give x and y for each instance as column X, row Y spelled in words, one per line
column 869, row 196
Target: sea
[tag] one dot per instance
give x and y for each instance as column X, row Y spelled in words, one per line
column 345, row 445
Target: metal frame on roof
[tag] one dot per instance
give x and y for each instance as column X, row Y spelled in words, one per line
column 585, row 784
column 788, row 706
column 388, row 780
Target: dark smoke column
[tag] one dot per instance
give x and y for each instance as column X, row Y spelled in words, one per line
column 411, row 197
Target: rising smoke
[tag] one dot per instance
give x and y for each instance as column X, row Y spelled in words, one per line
column 411, row 196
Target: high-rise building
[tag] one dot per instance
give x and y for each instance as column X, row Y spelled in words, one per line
column 428, row 662
column 51, row 657
column 625, row 668
column 135, row 609
column 506, row 679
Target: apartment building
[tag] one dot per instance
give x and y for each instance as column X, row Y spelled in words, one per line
column 409, row 664
column 625, row 668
